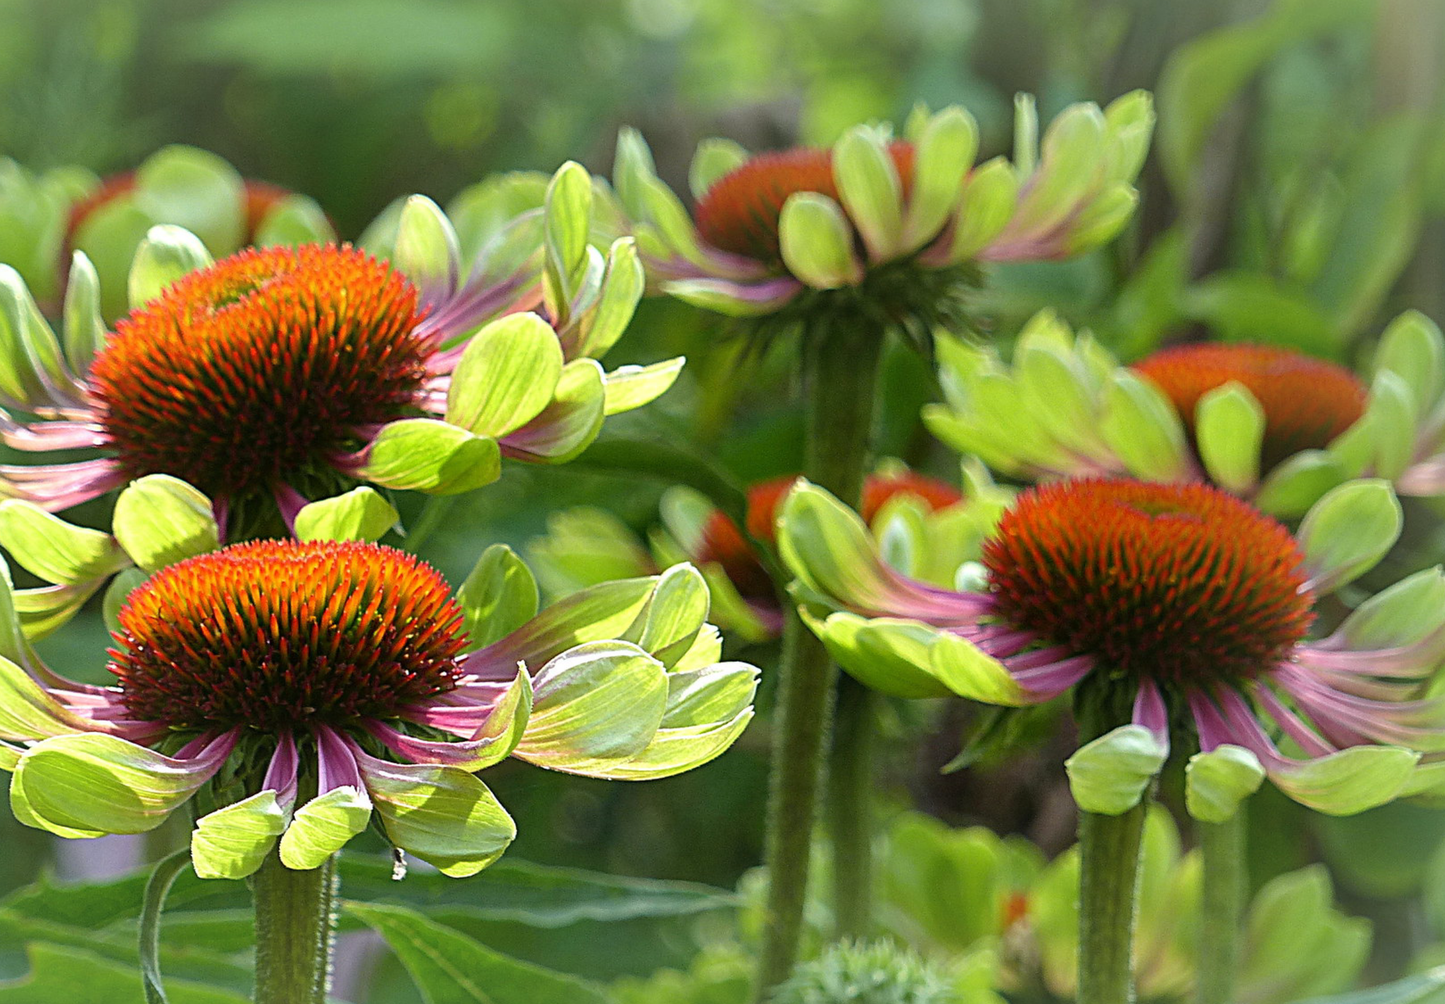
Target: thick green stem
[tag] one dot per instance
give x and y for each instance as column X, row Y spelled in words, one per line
column 1222, row 846
column 294, row 925
column 1108, row 890
column 840, row 374
column 850, row 782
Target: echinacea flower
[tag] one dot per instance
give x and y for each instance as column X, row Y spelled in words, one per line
column 281, row 374
column 929, row 529
column 1168, row 607
column 1267, row 423
column 296, row 688
column 893, row 227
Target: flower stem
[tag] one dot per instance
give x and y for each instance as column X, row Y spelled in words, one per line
column 1108, row 889
column 433, row 514
column 295, row 912
column 850, row 779
column 840, row 376
column 1222, row 846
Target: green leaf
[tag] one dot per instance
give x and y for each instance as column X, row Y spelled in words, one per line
column 157, row 886
column 870, row 190
column 423, row 454
column 160, row 520
column 595, row 704
column 322, row 826
column 233, row 841
column 426, row 249
column 166, row 254
column 498, row 597
column 194, row 189
column 1229, row 430
column 99, row 782
column 817, row 242
column 507, row 374
column 55, row 550
column 629, row 387
column 1108, row 776
column 76, row 976
column 444, row 815
column 944, row 152
column 450, row 968
column 1347, row 532
column 1143, row 429
column 714, row 158
column 360, row 514
column 1218, row 781
column 990, row 195
column 1350, row 781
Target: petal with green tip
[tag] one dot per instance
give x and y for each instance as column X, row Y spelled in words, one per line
column 166, row 254
column 232, row 842
column 194, row 189
column 160, row 520
column 84, row 330
column 817, row 242
column 1347, row 532
column 360, row 514
column 714, row 158
column 507, row 374
column 498, row 596
column 944, row 152
column 1291, row 488
column 629, row 387
column 570, row 421
column 55, row 550
column 870, row 189
column 1229, row 430
column 1109, row 775
column 323, row 826
column 426, row 249
column 423, row 454
column 1218, row 781
column 990, row 195
column 1143, row 429
column 1347, row 782
column 294, row 220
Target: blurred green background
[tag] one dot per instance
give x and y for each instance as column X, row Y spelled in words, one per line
column 1296, row 194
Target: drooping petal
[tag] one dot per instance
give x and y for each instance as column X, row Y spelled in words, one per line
column 341, row 809
column 494, row 739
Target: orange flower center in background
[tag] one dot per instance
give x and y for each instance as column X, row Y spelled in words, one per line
column 725, row 544
column 1177, row 583
column 276, row 634
column 740, row 212
column 1307, row 402
column 259, row 369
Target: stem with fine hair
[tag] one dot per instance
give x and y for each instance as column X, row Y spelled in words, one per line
column 840, row 375
column 1222, row 846
column 295, row 912
column 850, row 778
column 1108, row 890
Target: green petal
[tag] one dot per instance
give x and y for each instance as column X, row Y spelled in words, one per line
column 596, row 614
column 1109, row 775
column 568, row 218
column 232, row 842
column 944, row 152
column 1291, row 488
column 583, row 547
column 673, row 615
column 426, row 248
column 594, row 705
column 99, row 782
column 889, row 655
column 714, row 158
column 28, row 710
column 990, row 195
column 498, row 597
column 323, row 826
column 194, row 189
column 1400, row 615
column 166, row 254
column 1229, row 429
column 1071, row 163
column 115, row 595
column 30, row 358
column 444, row 815
column 84, row 330
column 1101, row 219
column 1143, row 429
column 360, row 514
column 160, row 520
column 55, row 550
column 571, row 421
column 294, row 220
column 1347, row 532
column 45, row 610
column 1414, row 350
column 722, row 296
column 423, row 454
column 969, row 672
column 1218, row 781
column 870, row 190
column 629, row 387
column 1350, row 781
column 826, row 545
column 507, row 374
column 817, row 242
column 622, row 288
column 631, row 169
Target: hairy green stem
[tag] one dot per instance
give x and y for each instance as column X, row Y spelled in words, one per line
column 850, row 782
column 295, row 913
column 1108, row 892
column 1222, row 846
column 840, row 375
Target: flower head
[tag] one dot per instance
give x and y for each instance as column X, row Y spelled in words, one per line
column 278, row 375
column 888, row 226
column 268, row 669
column 1169, row 606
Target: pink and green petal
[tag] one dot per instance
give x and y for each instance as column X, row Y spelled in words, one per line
column 1110, row 774
column 629, row 387
column 570, row 421
column 500, row 728
column 422, row 454
column 507, row 375
column 1347, row 532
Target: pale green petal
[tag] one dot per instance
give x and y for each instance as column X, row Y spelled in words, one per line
column 498, row 596
column 166, row 254
column 55, row 550
column 629, row 387
column 160, row 520
column 1218, row 781
column 323, row 826
column 507, row 374
column 360, row 514
column 1347, row 532
column 1109, row 775
column 443, row 815
column 817, row 242
column 233, row 841
column 1350, row 781
column 422, row 454
column 870, row 189
column 1229, row 430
